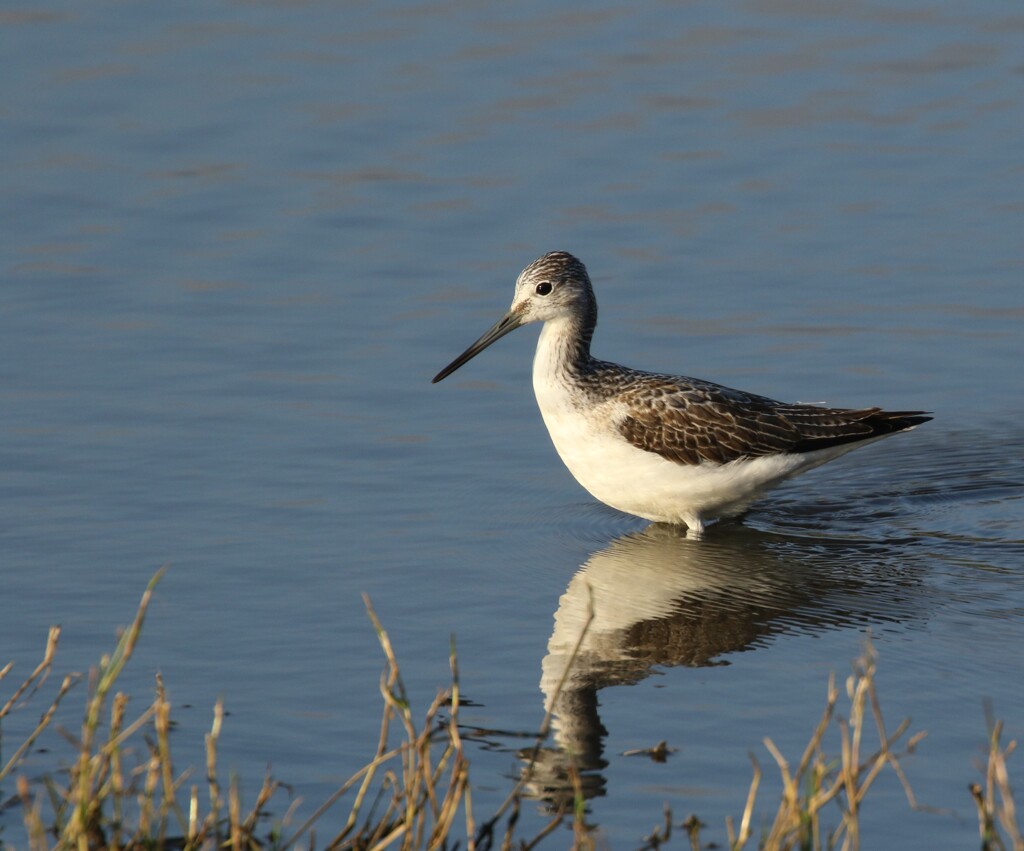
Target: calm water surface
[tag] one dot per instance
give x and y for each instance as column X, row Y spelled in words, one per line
column 239, row 239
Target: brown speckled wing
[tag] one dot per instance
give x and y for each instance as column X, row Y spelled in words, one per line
column 691, row 422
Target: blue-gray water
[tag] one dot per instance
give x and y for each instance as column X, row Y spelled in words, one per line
column 238, row 239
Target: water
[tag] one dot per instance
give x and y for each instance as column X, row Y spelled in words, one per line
column 239, row 240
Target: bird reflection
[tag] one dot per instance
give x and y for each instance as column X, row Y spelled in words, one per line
column 660, row 599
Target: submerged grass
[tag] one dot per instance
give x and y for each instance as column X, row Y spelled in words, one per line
column 415, row 792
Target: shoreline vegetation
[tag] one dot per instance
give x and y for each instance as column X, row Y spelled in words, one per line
column 121, row 790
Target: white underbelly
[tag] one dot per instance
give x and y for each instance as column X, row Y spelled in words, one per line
column 650, row 486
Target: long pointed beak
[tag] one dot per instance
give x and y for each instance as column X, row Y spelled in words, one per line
column 509, row 322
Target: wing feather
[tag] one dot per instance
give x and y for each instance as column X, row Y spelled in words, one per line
column 690, row 422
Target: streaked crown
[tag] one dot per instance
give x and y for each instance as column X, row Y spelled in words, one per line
column 552, row 286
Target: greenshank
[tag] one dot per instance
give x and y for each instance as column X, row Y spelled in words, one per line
column 666, row 448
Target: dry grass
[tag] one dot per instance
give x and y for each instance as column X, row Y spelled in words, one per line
column 820, row 780
column 415, row 791
column 997, row 814
column 106, row 803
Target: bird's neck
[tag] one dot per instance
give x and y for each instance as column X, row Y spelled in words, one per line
column 563, row 350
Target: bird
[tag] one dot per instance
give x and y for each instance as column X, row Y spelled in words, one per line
column 666, row 448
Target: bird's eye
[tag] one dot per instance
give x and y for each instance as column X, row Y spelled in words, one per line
column 543, row 288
